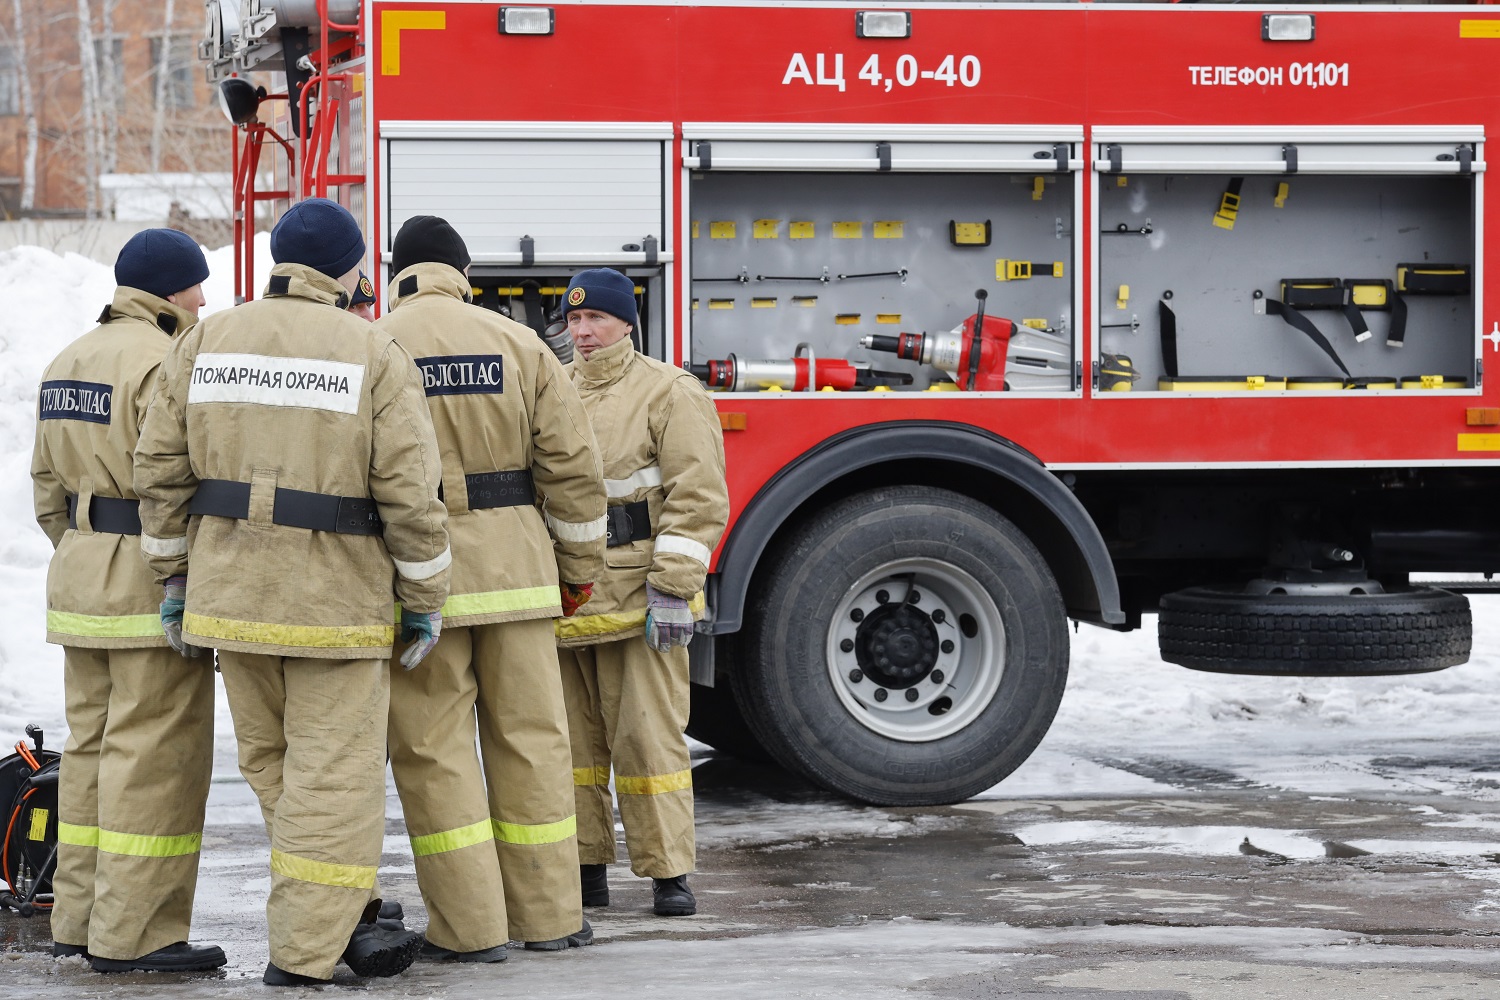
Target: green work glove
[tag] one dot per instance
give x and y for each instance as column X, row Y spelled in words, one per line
column 421, row 629
column 174, row 599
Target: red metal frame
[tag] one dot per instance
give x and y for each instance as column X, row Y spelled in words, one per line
column 307, row 162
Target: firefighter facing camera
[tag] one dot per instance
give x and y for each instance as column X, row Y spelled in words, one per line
column 140, row 716
column 625, row 661
column 494, row 834
column 295, row 440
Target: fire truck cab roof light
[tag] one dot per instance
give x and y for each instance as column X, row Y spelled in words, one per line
column 1287, row 27
column 239, row 99
column 527, row 20
column 882, row 24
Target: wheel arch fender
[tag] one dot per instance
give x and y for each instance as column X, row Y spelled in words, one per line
column 954, row 456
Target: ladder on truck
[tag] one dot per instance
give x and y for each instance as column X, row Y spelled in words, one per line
column 300, row 133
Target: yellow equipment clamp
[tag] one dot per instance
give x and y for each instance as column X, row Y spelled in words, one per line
column 1434, row 382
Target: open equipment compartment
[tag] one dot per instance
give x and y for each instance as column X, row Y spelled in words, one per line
column 575, row 195
column 1288, row 259
column 806, row 240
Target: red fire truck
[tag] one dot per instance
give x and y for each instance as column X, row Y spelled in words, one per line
column 1014, row 314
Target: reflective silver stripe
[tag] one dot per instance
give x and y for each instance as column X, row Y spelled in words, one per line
column 641, row 478
column 683, row 547
column 423, row 570
column 576, row 531
column 167, row 548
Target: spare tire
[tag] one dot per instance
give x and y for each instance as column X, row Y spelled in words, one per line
column 1401, row 631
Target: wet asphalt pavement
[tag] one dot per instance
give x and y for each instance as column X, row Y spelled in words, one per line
column 1195, row 882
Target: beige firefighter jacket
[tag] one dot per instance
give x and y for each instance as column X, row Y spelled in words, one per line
column 659, row 437
column 501, row 402
column 292, row 392
column 90, row 410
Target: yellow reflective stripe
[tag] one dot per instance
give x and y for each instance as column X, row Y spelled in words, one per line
column 145, row 845
column 536, row 833
column 520, row 599
column 654, row 784
column 77, row 836
column 104, row 626
column 581, row 625
column 590, row 775
column 322, row 872
column 318, row 636
column 38, row 829
column 450, row 840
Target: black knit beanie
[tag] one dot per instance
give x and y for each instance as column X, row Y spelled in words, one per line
column 428, row 239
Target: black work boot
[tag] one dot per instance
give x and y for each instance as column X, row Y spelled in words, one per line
column 391, row 916
column 434, row 953
column 375, row 951
column 280, row 977
column 179, row 957
column 579, row 938
column 60, row 950
column 595, row 880
column 671, row 897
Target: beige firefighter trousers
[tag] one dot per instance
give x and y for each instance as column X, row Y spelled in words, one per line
column 503, row 865
column 311, row 738
column 628, row 707
column 135, row 774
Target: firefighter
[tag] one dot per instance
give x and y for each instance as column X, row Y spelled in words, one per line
column 288, row 476
column 140, row 715
column 503, row 866
column 362, row 302
column 625, row 661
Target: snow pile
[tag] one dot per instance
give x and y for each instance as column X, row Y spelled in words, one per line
column 49, row 301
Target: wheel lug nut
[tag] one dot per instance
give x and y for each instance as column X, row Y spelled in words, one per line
column 883, row 661
column 883, row 596
column 940, row 616
column 881, row 694
column 856, row 675
column 947, row 646
column 915, row 597
column 857, row 614
column 847, row 645
column 937, row 676
column 911, row 694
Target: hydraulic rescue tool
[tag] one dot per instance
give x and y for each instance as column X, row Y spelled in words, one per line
column 1005, row 355
column 738, row 375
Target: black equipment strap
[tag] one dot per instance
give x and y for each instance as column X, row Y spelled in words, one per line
column 1294, row 318
column 626, row 523
column 508, row 488
column 110, row 515
column 1168, row 320
column 531, row 299
column 976, row 343
column 292, row 508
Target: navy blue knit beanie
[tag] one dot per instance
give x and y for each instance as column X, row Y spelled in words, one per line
column 603, row 289
column 160, row 261
column 321, row 234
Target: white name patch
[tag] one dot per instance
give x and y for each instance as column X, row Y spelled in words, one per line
column 273, row 381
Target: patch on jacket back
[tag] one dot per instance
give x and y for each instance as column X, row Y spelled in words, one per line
column 272, row 381
column 65, row 399
column 458, row 374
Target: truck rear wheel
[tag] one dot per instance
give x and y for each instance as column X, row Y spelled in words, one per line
column 1225, row 630
column 906, row 646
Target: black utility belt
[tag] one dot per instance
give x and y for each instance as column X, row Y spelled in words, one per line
column 292, row 508
column 110, row 515
column 626, row 523
column 507, row 488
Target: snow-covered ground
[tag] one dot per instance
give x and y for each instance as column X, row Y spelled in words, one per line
column 1121, row 699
